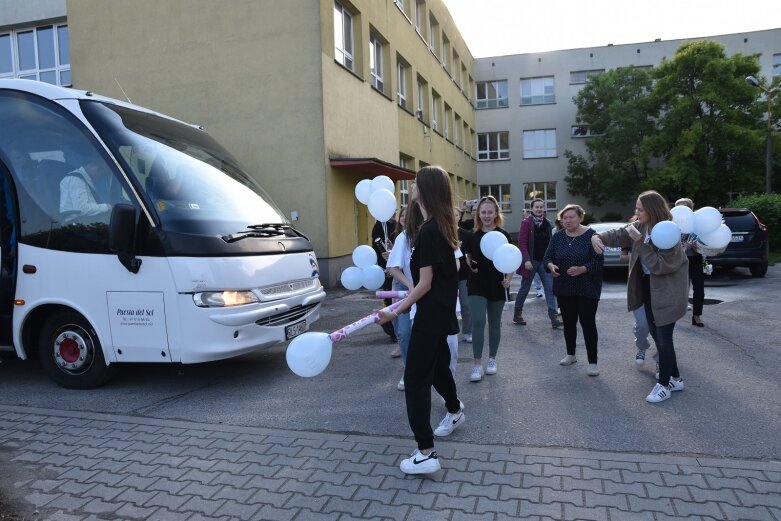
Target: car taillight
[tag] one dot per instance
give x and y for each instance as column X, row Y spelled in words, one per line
column 759, row 223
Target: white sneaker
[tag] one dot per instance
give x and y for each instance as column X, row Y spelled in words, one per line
column 450, row 422
column 658, row 394
column 540, row 293
column 640, row 357
column 477, row 373
column 491, row 367
column 468, row 339
column 419, row 463
column 592, row 370
column 400, row 385
column 568, row 360
column 676, row 385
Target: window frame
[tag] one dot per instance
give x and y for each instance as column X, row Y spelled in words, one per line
column 342, row 13
column 401, row 82
column 60, row 69
column 376, row 62
column 502, row 154
column 541, row 192
column 537, row 87
column 533, row 133
column 486, row 102
column 498, row 192
column 586, row 74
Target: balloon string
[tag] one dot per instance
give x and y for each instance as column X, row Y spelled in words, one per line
column 347, row 330
column 385, row 232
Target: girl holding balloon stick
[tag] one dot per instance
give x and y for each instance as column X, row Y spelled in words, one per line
column 435, row 289
column 658, row 267
column 696, row 275
column 487, row 286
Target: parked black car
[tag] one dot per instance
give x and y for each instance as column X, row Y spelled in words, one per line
column 749, row 245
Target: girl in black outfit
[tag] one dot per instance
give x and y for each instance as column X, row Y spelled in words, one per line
column 696, row 275
column 435, row 277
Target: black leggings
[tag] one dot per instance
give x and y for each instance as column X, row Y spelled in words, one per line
column 697, row 278
column 583, row 309
column 428, row 363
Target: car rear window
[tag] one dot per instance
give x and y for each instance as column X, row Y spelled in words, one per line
column 741, row 223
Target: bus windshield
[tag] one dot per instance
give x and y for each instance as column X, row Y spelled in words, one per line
column 194, row 186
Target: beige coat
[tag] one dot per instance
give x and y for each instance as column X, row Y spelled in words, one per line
column 669, row 275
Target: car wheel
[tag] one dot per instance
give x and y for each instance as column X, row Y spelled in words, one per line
column 71, row 354
column 758, row 270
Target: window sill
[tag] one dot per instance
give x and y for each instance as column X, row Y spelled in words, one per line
column 497, row 107
column 487, row 160
column 533, row 158
column 340, row 64
column 401, row 10
column 537, row 104
column 381, row 93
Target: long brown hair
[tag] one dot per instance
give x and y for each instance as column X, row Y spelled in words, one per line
column 436, row 197
column 655, row 206
column 413, row 218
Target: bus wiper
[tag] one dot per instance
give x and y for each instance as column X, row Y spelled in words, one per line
column 261, row 231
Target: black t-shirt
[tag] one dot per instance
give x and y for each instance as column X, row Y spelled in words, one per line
column 378, row 240
column 464, row 236
column 436, row 310
column 487, row 282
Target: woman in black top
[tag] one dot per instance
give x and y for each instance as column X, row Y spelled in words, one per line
column 577, row 282
column 435, row 278
column 487, row 289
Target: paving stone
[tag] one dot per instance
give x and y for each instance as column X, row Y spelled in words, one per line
column 593, row 499
column 535, row 469
column 655, row 491
column 380, row 495
column 488, row 466
column 465, row 504
column 200, row 490
column 320, row 516
column 574, row 497
column 342, row 491
column 419, row 514
column 594, row 485
column 104, row 492
column 638, row 504
column 490, row 478
column 674, row 480
column 749, row 499
column 40, row 499
column 636, row 489
column 752, row 513
column 315, row 504
column 700, row 495
column 537, row 481
column 269, row 513
column 475, row 478
column 163, row 514
column 766, row 487
column 430, row 486
column 487, row 505
column 299, row 487
column 354, row 508
column 266, row 497
column 166, row 500
column 729, row 483
column 136, row 497
column 137, row 482
column 461, row 516
column 690, row 508
column 590, row 513
column 386, row 511
column 98, row 506
column 552, row 510
column 360, row 479
column 45, row 485
column 532, row 494
column 422, row 500
column 201, row 505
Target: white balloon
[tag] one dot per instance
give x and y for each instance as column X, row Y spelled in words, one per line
column 352, row 278
column 706, row 220
column 382, row 204
column 507, row 258
column 363, row 190
column 718, row 238
column 308, row 354
column 683, row 216
column 490, row 242
column 364, row 256
column 383, row 182
column 665, row 235
column 373, row 277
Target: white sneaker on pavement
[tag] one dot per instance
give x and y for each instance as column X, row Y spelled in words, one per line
column 658, row 394
column 676, row 385
column 477, row 373
column 491, row 367
column 468, row 338
column 592, row 370
column 419, row 463
column 450, row 422
column 568, row 360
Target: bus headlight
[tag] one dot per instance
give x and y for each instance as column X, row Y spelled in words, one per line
column 223, row 299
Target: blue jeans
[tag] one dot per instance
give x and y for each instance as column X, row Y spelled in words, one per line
column 640, row 329
column 526, row 284
column 402, row 326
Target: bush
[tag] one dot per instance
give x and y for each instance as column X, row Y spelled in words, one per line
column 768, row 209
column 613, row 217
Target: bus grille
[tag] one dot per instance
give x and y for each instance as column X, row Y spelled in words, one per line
column 288, row 289
column 288, row 317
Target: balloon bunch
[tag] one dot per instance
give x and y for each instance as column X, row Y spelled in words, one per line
column 309, row 354
column 377, row 194
column 506, row 257
column 366, row 272
column 703, row 226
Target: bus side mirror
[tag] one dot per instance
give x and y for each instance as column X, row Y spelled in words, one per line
column 122, row 236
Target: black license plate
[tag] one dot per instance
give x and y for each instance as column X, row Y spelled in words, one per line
column 293, row 330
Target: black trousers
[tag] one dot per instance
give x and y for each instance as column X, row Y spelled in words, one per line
column 583, row 310
column 663, row 338
column 428, row 363
column 697, row 278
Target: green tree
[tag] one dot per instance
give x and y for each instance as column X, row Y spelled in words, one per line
column 614, row 107
column 707, row 131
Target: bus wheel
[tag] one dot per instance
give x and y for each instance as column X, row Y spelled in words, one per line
column 70, row 352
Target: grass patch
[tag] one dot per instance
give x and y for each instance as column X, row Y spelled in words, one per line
column 774, row 257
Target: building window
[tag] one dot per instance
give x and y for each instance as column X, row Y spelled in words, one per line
column 376, row 63
column 422, row 101
column 576, row 77
column 456, row 131
column 491, row 94
column 38, row 53
column 537, row 91
column 435, row 101
column 343, row 36
column 493, row 145
column 447, row 117
column 777, row 65
column 539, row 143
column 456, row 70
column 402, row 72
column 445, row 52
column 420, row 16
column 433, row 29
column 500, row 192
column 582, row 131
column 540, row 190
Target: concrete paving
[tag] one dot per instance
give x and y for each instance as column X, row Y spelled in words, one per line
column 245, row 440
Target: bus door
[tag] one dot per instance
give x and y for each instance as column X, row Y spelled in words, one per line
column 8, row 234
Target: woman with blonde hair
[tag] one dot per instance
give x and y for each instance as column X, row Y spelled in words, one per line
column 434, row 293
column 487, row 288
column 658, row 279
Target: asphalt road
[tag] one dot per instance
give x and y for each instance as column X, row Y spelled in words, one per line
column 731, row 405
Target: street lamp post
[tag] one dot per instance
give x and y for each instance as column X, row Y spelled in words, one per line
column 751, row 80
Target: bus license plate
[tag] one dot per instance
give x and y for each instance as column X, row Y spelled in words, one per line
column 293, row 330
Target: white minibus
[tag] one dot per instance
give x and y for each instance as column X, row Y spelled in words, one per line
column 129, row 236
